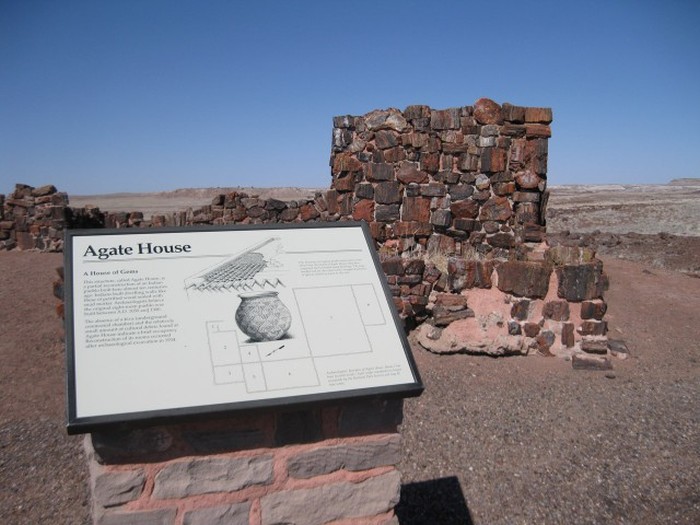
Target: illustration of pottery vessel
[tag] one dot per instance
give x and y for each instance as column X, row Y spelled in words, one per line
column 262, row 316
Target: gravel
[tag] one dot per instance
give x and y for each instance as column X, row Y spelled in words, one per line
column 530, row 440
column 509, row 440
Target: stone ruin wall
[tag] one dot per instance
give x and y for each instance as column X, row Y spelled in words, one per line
column 454, row 181
column 455, row 200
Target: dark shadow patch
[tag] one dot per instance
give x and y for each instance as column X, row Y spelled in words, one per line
column 435, row 501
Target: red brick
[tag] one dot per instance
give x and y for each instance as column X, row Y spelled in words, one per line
column 493, row 160
column 567, row 335
column 522, row 278
column 430, row 162
column 496, row 209
column 408, row 174
column 556, row 310
column 527, row 179
column 308, row 212
column 539, row 131
column 345, row 183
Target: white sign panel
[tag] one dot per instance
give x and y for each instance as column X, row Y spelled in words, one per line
column 165, row 323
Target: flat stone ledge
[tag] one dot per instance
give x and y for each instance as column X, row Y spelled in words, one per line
column 211, row 475
column 148, row 517
column 236, row 514
column 333, row 501
column 353, row 457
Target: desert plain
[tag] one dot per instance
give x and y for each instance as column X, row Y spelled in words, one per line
column 515, row 440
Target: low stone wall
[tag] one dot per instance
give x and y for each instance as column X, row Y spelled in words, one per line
column 551, row 303
column 335, row 463
column 35, row 218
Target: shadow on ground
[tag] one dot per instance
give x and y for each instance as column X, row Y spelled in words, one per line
column 433, row 501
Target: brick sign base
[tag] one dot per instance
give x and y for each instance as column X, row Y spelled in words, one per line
column 327, row 465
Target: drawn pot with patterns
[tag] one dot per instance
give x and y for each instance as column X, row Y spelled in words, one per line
column 262, row 316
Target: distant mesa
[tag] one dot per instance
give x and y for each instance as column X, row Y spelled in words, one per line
column 687, row 181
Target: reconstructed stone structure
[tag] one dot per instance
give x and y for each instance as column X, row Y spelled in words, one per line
column 453, row 181
column 456, row 201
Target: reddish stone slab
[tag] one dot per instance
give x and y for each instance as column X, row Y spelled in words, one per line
column 524, row 278
column 486, row 111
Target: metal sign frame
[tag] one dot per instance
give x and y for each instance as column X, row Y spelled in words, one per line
column 171, row 324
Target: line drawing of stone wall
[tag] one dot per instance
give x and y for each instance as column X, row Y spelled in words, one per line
column 241, row 272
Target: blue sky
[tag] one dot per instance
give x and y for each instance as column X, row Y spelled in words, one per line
column 148, row 95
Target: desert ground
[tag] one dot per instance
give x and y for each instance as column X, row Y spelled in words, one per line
column 491, row 441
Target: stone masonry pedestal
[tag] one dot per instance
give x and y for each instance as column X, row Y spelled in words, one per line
column 326, row 465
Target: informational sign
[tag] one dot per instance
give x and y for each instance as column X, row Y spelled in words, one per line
column 165, row 323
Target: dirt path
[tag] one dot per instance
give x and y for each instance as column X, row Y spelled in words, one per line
column 516, row 440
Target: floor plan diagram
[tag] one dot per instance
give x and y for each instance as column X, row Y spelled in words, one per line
column 334, row 321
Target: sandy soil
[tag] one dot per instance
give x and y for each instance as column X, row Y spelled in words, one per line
column 530, row 440
column 491, row 441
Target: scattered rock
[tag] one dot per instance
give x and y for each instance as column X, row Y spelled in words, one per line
column 618, row 348
column 590, row 362
column 594, row 345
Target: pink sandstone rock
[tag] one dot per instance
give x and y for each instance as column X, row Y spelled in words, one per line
column 332, row 501
column 485, row 333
